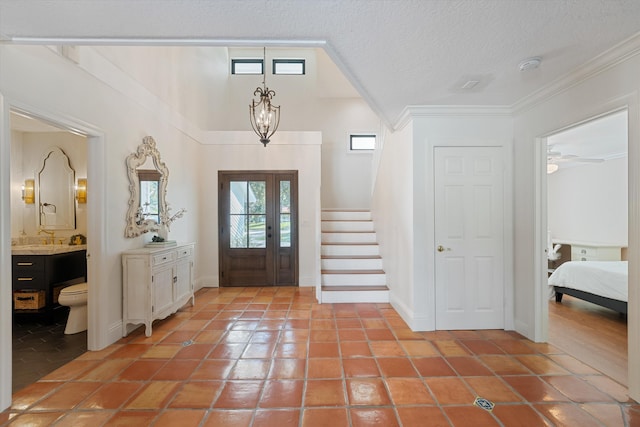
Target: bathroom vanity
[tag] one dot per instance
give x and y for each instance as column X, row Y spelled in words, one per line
column 157, row 281
column 48, row 268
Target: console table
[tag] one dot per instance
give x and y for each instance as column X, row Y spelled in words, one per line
column 157, row 281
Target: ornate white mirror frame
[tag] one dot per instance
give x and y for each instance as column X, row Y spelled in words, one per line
column 137, row 223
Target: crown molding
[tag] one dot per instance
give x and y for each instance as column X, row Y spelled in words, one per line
column 610, row 58
column 159, row 41
column 418, row 111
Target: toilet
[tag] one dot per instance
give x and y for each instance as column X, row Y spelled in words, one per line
column 75, row 297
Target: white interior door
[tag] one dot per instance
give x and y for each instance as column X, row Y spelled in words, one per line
column 469, row 211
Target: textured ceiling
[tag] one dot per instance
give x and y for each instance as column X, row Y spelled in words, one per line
column 396, row 53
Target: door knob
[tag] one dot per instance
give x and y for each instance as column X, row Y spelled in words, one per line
column 440, row 248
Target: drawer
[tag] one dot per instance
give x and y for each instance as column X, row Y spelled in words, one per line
column 185, row 252
column 28, row 262
column 581, row 251
column 164, row 258
column 28, row 279
column 595, row 253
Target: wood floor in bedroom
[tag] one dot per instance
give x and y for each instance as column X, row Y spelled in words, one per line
column 597, row 336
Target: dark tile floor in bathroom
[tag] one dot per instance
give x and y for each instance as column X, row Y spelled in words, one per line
column 40, row 347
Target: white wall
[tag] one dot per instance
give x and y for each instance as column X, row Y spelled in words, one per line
column 30, row 147
column 601, row 89
column 588, row 203
column 346, row 176
column 197, row 82
column 392, row 211
column 241, row 151
column 403, row 201
column 37, row 79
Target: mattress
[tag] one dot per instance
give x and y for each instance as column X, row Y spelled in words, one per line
column 605, row 278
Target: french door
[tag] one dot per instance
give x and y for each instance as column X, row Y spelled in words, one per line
column 258, row 242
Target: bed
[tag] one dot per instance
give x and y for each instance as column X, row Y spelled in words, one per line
column 600, row 282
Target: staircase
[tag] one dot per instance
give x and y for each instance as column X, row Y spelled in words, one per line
column 351, row 264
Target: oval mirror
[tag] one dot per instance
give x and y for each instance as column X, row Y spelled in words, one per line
column 148, row 177
column 55, row 192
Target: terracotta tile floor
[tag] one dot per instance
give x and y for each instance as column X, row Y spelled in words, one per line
column 273, row 357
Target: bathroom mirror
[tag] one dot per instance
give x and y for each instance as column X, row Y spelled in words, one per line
column 55, row 192
column 148, row 177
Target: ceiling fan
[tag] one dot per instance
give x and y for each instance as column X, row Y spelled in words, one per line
column 554, row 158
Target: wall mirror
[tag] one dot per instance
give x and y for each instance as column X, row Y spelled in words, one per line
column 55, row 192
column 148, row 177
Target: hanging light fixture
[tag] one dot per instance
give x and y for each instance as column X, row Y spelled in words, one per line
column 264, row 116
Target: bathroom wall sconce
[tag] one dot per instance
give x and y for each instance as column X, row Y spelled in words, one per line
column 81, row 190
column 28, row 191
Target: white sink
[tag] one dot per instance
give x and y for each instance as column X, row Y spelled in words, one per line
column 45, row 249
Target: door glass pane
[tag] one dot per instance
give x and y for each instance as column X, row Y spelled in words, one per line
column 238, row 231
column 257, row 197
column 257, row 231
column 285, row 230
column 285, row 196
column 247, row 208
column 285, row 214
column 238, row 197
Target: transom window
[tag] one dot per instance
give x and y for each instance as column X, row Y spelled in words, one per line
column 362, row 142
column 247, row 66
column 288, row 66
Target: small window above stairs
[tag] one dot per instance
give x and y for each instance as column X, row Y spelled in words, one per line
column 351, row 265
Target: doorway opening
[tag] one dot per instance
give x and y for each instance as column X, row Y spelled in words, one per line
column 258, row 214
column 587, row 227
column 45, row 222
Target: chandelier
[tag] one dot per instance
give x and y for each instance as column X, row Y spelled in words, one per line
column 264, row 116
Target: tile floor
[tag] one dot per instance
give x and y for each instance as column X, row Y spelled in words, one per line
column 41, row 347
column 273, row 357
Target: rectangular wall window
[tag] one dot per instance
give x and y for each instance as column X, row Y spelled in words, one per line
column 362, row 142
column 288, row 66
column 247, row 66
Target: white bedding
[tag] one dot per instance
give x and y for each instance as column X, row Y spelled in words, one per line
column 605, row 278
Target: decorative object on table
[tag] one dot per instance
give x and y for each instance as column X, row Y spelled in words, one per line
column 161, row 239
column 166, row 219
column 77, row 239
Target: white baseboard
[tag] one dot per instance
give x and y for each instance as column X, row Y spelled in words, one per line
column 415, row 322
column 207, row 282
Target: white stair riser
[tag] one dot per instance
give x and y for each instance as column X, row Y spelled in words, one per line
column 354, row 250
column 360, row 279
column 346, row 215
column 351, row 264
column 348, row 237
column 347, row 226
column 355, row 296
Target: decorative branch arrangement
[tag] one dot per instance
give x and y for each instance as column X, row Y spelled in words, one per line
column 167, row 219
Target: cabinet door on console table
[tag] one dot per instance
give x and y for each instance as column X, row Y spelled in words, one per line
column 156, row 283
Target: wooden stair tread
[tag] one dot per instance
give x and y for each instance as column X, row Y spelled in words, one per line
column 348, row 243
column 352, row 272
column 351, row 257
column 344, row 210
column 345, row 231
column 354, row 288
column 346, row 220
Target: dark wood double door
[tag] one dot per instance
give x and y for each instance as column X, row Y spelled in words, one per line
column 258, row 242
